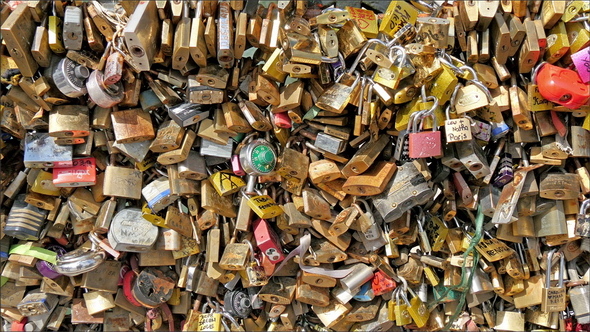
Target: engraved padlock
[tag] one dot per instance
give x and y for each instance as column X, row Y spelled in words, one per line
column 425, row 144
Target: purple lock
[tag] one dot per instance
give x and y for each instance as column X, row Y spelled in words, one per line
column 505, row 172
column 46, row 268
column 236, row 166
column 581, row 60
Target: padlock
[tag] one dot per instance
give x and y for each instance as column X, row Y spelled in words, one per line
column 336, row 97
column 553, row 298
column 407, row 188
column 267, row 241
column 25, row 221
column 559, row 186
column 153, row 286
column 425, row 144
column 254, row 270
column 129, row 231
column 561, row 86
column 583, row 221
column 143, row 25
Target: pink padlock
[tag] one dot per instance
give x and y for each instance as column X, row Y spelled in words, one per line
column 236, row 167
column 581, row 60
column 268, row 241
column 282, row 120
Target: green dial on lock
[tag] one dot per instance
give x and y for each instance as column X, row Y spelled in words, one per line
column 263, row 159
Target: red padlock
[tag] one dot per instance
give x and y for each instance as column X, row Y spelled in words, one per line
column 561, row 86
column 425, row 144
column 282, row 120
column 268, row 241
column 382, row 284
column 81, row 174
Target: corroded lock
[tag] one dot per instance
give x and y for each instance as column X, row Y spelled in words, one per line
column 406, row 189
column 153, row 286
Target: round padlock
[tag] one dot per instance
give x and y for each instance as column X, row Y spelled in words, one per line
column 69, row 78
column 153, row 287
column 129, row 231
column 103, row 95
column 238, row 303
column 258, row 157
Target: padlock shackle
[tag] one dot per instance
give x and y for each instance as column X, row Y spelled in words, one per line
column 535, row 72
column 585, row 207
column 362, row 52
column 549, row 267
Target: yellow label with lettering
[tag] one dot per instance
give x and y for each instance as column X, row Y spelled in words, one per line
column 536, row 101
column 398, row 14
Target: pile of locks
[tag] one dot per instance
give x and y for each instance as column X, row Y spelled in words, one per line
column 229, row 165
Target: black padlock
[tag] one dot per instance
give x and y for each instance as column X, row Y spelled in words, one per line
column 237, row 303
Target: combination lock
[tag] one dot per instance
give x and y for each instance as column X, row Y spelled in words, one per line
column 237, row 303
column 69, row 78
column 258, row 157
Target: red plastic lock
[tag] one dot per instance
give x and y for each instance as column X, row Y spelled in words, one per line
column 562, row 86
column 282, row 120
column 268, row 241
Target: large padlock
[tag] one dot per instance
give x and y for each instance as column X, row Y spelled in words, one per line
column 407, row 188
column 129, row 231
column 561, row 86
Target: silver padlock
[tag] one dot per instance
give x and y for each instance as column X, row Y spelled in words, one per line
column 221, row 151
column 583, row 223
column 70, row 77
column 81, row 260
column 472, row 157
column 580, row 300
column 330, row 143
column 73, row 29
column 407, row 188
column 37, row 303
column 129, row 231
column 41, row 151
column 193, row 167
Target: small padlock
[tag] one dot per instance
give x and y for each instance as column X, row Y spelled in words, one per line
column 583, row 220
column 554, row 297
column 267, row 241
column 457, row 130
column 255, row 271
column 425, row 144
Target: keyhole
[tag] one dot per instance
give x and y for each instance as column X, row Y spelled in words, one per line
column 150, row 292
